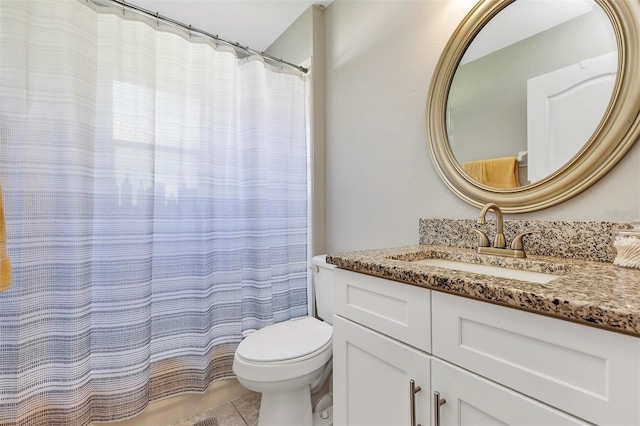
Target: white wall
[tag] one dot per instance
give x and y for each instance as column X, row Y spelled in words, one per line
column 380, row 56
column 304, row 39
column 295, row 45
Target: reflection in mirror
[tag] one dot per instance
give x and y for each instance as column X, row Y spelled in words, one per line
column 522, row 106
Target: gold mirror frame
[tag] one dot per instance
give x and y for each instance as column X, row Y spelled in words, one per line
column 615, row 135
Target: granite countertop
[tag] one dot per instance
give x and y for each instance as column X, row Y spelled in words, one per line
column 588, row 292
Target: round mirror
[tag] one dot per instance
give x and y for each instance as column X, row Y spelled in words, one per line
column 533, row 101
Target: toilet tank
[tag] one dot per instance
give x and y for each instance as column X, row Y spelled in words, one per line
column 323, row 287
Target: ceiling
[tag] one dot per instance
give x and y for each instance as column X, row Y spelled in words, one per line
column 253, row 23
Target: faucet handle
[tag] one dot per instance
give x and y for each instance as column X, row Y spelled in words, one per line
column 483, row 240
column 517, row 243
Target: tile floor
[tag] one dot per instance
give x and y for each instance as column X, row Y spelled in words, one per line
column 242, row 411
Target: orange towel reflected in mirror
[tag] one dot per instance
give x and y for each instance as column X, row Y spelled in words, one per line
column 494, row 172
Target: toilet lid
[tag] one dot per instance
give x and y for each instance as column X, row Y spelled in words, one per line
column 286, row 340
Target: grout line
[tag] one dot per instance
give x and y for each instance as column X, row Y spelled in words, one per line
column 239, row 413
column 245, row 420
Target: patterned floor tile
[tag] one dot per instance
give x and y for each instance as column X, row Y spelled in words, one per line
column 248, row 407
column 242, row 411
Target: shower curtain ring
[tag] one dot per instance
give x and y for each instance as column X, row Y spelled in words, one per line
column 189, row 31
column 157, row 19
column 123, row 4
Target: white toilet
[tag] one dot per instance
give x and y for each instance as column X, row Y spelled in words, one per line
column 288, row 361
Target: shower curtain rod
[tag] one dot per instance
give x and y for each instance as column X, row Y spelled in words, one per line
column 192, row 30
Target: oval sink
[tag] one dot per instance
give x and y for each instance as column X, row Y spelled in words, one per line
column 494, row 271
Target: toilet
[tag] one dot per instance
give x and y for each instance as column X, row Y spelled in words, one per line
column 289, row 361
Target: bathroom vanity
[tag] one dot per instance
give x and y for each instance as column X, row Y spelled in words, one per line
column 416, row 343
column 446, row 332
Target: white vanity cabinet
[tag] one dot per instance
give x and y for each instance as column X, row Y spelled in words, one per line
column 492, row 364
column 381, row 340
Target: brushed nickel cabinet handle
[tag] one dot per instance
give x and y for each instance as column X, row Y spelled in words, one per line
column 413, row 390
column 437, row 402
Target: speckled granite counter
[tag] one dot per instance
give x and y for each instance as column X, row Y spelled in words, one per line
column 588, row 292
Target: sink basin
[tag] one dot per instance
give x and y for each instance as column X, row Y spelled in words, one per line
column 494, row 271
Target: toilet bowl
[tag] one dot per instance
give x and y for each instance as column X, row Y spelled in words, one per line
column 287, row 361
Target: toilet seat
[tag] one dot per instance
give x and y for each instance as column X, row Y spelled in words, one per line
column 284, row 351
column 286, row 341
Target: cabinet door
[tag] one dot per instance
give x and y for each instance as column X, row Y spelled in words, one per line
column 474, row 401
column 371, row 378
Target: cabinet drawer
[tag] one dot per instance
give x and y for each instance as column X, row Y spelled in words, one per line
column 591, row 373
column 397, row 310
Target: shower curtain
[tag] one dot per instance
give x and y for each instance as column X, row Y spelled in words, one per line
column 155, row 192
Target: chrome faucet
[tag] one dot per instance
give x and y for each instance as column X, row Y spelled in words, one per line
column 499, row 241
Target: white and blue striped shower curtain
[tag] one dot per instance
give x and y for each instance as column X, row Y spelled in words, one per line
column 155, row 192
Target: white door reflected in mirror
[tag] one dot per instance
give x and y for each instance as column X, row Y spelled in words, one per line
column 564, row 108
